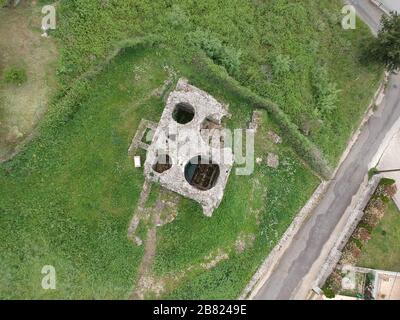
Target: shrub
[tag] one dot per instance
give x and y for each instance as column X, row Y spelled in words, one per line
column 328, row 292
column 15, row 75
column 370, row 277
column 177, row 17
column 325, row 92
column 226, row 56
column 358, row 243
column 369, row 286
column 385, row 48
column 372, row 172
column 387, row 182
column 281, row 65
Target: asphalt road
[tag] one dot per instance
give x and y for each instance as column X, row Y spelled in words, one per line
column 307, row 246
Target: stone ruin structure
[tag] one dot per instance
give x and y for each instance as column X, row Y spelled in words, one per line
column 187, row 154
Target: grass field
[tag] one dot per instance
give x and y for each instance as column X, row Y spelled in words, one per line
column 67, row 199
column 383, row 250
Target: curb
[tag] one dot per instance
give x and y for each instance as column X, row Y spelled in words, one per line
column 376, row 101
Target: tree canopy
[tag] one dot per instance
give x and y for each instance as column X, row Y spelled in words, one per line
column 386, row 48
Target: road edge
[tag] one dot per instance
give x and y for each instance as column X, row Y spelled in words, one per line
column 269, row 264
column 274, row 257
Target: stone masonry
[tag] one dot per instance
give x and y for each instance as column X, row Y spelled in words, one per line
column 187, row 154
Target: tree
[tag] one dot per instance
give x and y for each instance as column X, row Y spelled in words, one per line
column 386, row 47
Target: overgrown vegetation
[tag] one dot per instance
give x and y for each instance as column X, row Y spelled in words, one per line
column 221, row 54
column 278, row 56
column 3, row 3
column 372, row 172
column 325, row 92
column 301, row 144
column 328, row 291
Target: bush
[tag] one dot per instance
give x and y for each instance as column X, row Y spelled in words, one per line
column 15, row 75
column 281, row 65
column 385, row 48
column 328, row 292
column 387, row 182
column 369, row 286
column 178, row 17
column 358, row 243
column 325, row 92
column 221, row 54
column 372, row 172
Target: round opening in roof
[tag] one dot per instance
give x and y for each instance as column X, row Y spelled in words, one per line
column 183, row 113
column 201, row 173
column 163, row 163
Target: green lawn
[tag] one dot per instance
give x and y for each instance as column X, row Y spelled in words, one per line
column 383, row 250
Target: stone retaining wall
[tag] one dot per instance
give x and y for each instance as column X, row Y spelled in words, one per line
column 353, row 219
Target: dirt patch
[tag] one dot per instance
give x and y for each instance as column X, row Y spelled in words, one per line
column 213, row 259
column 171, row 201
column 273, row 160
column 244, row 241
column 272, row 136
column 21, row 45
column 163, row 211
column 363, row 235
column 139, row 214
column 172, row 76
column 146, row 282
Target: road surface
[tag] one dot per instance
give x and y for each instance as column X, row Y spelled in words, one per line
column 293, row 270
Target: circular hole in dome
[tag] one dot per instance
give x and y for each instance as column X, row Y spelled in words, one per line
column 183, row 113
column 163, row 163
column 201, row 173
